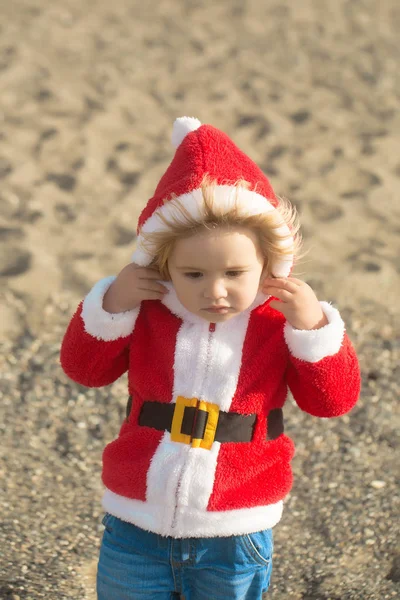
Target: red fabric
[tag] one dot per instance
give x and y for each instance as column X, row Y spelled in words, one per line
column 126, row 460
column 252, row 482
column 206, row 150
column 256, row 393
column 327, row 388
column 81, row 360
column 332, row 383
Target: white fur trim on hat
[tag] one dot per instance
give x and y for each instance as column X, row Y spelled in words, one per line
column 182, row 127
column 226, row 197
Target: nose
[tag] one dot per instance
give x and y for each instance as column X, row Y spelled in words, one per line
column 215, row 289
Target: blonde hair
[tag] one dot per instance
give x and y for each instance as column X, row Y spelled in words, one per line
column 265, row 225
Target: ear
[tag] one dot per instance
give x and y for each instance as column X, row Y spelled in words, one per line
column 265, row 272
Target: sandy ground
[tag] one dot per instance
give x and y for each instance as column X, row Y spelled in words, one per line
column 88, row 93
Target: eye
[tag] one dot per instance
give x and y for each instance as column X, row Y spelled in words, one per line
column 194, row 275
column 234, row 273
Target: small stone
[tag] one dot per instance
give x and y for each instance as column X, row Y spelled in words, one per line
column 378, row 485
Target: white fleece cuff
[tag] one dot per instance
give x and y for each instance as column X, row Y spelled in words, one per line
column 101, row 324
column 315, row 344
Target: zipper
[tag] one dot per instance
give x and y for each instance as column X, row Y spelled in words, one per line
column 211, row 330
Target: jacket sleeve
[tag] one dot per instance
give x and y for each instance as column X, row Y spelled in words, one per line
column 95, row 347
column 323, row 373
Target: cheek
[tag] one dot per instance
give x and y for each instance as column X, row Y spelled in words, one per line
column 248, row 289
column 185, row 290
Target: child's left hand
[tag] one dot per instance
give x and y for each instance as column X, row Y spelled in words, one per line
column 297, row 302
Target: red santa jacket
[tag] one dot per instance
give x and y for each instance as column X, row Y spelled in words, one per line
column 167, row 482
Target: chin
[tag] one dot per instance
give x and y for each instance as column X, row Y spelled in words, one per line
column 216, row 318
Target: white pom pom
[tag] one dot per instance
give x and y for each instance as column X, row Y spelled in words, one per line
column 182, row 127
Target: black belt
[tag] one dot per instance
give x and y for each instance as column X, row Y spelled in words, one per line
column 230, row 427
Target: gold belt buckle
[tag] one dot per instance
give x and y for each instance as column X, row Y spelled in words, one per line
column 209, row 434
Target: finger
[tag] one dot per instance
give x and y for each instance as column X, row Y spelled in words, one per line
column 283, row 283
column 283, row 295
column 296, row 281
column 276, row 305
column 146, row 273
column 149, row 286
column 152, row 295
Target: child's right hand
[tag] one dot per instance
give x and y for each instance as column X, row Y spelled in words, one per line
column 132, row 285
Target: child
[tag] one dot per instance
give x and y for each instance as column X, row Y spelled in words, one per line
column 212, row 331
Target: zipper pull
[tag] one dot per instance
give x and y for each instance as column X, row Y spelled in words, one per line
column 212, row 327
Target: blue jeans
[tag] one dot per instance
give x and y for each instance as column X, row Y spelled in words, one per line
column 135, row 564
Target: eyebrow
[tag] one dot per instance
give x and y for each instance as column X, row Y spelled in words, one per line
column 242, row 267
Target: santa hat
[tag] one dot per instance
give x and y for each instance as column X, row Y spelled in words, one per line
column 204, row 150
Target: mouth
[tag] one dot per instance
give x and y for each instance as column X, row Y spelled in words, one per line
column 217, row 309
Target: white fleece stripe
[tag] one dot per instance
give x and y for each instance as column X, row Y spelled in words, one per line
column 163, row 478
column 314, row 345
column 225, row 358
column 227, row 197
column 101, row 324
column 215, row 381
column 197, row 481
column 192, row 522
column 169, row 460
column 190, row 361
